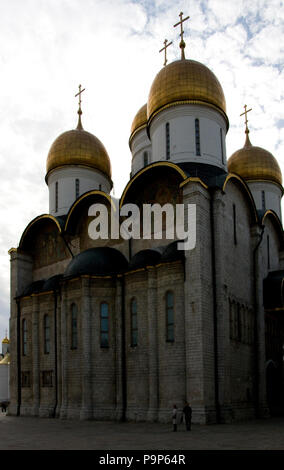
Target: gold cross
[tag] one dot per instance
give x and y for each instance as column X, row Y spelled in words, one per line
column 182, row 43
column 80, row 101
column 165, row 49
column 246, row 117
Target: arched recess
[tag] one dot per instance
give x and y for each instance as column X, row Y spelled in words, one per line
column 271, row 215
column 79, row 209
column 37, row 224
column 150, row 177
column 246, row 191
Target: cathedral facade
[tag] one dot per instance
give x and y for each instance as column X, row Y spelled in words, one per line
column 122, row 329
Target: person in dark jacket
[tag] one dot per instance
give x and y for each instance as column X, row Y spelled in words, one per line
column 187, row 411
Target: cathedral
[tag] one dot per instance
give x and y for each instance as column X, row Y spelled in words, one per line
column 122, row 329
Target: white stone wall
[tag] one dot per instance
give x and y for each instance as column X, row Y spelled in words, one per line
column 182, row 135
column 140, row 144
column 272, row 194
column 89, row 179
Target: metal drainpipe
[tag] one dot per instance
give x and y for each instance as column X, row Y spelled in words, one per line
column 55, row 353
column 215, row 320
column 256, row 365
column 19, row 356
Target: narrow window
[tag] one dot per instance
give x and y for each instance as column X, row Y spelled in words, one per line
column 168, row 152
column 134, row 328
column 104, row 325
column 145, row 158
column 24, row 337
column 56, row 196
column 222, row 147
column 100, row 187
column 46, row 334
column 47, row 378
column 268, row 252
column 235, row 224
column 170, row 316
column 26, row 379
column 77, row 188
column 74, row 326
column 197, row 137
column 263, row 200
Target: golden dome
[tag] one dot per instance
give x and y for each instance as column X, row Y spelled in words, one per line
column 78, row 147
column 185, row 81
column 6, row 341
column 139, row 122
column 254, row 164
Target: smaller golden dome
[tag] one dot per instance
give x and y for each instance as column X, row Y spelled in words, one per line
column 139, row 122
column 255, row 164
column 6, row 341
column 78, row 147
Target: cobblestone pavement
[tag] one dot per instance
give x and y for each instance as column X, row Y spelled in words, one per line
column 17, row 433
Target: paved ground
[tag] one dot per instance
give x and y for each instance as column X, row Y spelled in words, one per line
column 17, row 433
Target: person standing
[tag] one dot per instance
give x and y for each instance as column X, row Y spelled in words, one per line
column 187, row 411
column 174, row 415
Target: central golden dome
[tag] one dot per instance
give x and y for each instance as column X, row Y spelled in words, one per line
column 78, row 147
column 182, row 82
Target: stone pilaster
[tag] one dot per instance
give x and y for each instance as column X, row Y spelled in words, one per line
column 64, row 353
column 259, row 317
column 198, row 305
column 153, row 346
column 119, row 412
column 87, row 401
column 35, row 355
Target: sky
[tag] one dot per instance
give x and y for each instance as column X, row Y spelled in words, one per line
column 111, row 47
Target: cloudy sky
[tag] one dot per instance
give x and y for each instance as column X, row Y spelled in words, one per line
column 111, row 47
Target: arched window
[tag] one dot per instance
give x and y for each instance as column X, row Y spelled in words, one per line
column 104, row 315
column 170, row 316
column 197, row 137
column 24, row 337
column 134, row 327
column 145, row 158
column 235, row 224
column 77, row 188
column 168, row 150
column 74, row 326
column 263, row 200
column 46, row 334
column 56, row 196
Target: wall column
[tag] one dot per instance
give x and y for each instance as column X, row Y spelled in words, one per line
column 64, row 352
column 35, row 354
column 153, row 346
column 87, row 395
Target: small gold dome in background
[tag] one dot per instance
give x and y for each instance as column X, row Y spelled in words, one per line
column 254, row 164
column 185, row 81
column 5, row 340
column 78, row 147
column 139, row 122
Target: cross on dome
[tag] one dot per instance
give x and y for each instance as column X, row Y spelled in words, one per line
column 246, row 111
column 182, row 43
column 79, row 126
column 166, row 44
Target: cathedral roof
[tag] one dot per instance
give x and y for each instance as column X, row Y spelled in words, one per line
column 99, row 261
column 185, row 82
column 254, row 164
column 78, row 147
